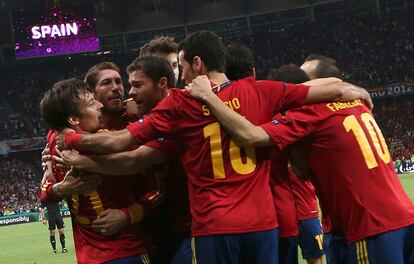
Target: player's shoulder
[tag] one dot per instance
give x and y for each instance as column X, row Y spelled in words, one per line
column 178, row 93
column 176, row 96
column 270, row 84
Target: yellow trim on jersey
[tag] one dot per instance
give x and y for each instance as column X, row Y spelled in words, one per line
column 194, row 258
column 82, row 220
column 137, row 213
column 96, row 202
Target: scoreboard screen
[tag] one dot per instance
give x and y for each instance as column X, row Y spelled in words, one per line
column 57, row 31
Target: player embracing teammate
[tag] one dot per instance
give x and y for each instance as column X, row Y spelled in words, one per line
column 232, row 207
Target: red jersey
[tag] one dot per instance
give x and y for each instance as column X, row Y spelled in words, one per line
column 305, row 198
column 352, row 166
column 91, row 246
column 174, row 184
column 228, row 186
column 283, row 197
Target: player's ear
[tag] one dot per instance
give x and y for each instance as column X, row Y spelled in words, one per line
column 163, row 83
column 197, row 65
column 73, row 121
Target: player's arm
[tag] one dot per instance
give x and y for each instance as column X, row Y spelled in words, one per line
column 112, row 221
column 337, row 91
column 42, row 214
column 241, row 129
column 108, row 142
column 123, row 163
column 322, row 81
column 73, row 183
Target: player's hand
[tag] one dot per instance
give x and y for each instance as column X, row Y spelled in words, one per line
column 352, row 92
column 48, row 174
column 46, row 156
column 110, row 222
column 59, row 163
column 131, row 110
column 74, row 159
column 44, row 221
column 200, row 88
column 77, row 183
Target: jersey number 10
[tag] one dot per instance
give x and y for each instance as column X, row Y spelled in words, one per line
column 351, row 124
column 213, row 132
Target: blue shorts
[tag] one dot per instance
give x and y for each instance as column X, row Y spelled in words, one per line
column 288, row 250
column 183, row 255
column 254, row 247
column 310, row 238
column 396, row 247
column 136, row 259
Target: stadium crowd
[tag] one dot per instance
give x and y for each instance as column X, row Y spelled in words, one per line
column 394, row 117
column 22, row 197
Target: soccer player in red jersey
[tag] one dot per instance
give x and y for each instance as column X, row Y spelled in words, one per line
column 70, row 103
column 352, row 171
column 150, row 78
column 289, row 204
column 310, row 229
column 230, row 198
column 285, row 209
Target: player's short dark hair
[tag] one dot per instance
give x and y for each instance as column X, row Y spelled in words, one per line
column 326, row 66
column 91, row 77
column 240, row 62
column 320, row 57
column 206, row 45
column 163, row 45
column 153, row 67
column 62, row 101
column 289, row 73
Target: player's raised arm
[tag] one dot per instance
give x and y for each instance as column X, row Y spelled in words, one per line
column 337, row 91
column 123, row 163
column 241, row 130
column 244, row 132
column 108, row 142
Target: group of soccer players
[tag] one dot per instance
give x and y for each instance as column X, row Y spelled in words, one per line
column 206, row 174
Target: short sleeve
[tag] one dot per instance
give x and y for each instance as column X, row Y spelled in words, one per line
column 295, row 125
column 284, row 96
column 162, row 121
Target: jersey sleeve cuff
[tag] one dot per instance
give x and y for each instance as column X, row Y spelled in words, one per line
column 72, row 140
column 269, row 129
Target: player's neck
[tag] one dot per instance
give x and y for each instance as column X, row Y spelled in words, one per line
column 217, row 77
column 112, row 120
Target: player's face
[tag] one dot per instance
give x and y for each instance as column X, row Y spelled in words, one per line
column 91, row 113
column 109, row 90
column 173, row 60
column 188, row 74
column 144, row 91
column 310, row 67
